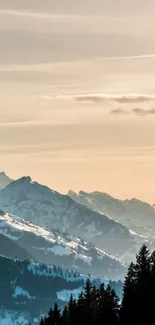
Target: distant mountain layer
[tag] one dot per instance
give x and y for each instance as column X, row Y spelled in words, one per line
column 22, row 239
column 49, row 209
column 137, row 215
column 4, row 180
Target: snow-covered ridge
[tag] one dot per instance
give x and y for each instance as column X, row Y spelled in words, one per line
column 137, row 215
column 59, row 248
column 14, row 227
column 47, row 208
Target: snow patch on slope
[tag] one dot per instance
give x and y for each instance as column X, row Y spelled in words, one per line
column 138, row 235
column 57, row 250
column 18, row 291
column 12, row 318
column 64, row 295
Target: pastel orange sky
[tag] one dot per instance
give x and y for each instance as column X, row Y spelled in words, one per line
column 77, row 94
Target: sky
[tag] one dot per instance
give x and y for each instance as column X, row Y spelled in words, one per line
column 77, row 94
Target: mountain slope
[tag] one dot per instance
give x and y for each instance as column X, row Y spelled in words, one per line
column 11, row 249
column 45, row 207
column 4, row 180
column 58, row 248
column 137, row 215
column 29, row 290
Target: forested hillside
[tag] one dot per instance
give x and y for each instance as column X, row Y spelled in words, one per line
column 29, row 287
column 101, row 305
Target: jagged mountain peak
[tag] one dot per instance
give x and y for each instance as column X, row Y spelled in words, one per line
column 70, row 192
column 24, row 179
column 26, row 183
column 2, row 174
column 4, row 180
column 137, row 202
column 97, row 194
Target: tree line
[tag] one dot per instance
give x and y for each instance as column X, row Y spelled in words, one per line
column 41, row 282
column 101, row 305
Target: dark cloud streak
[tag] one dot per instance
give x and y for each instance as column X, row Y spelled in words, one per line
column 136, row 111
column 118, row 111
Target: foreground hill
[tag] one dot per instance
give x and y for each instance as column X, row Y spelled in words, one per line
column 32, row 288
column 28, row 290
column 22, row 239
column 49, row 209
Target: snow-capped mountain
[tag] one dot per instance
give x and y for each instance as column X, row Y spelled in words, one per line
column 52, row 210
column 136, row 215
column 53, row 247
column 4, row 180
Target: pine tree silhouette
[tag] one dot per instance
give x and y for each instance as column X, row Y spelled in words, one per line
column 136, row 303
column 65, row 316
column 100, row 305
column 128, row 300
column 42, row 322
column 54, row 316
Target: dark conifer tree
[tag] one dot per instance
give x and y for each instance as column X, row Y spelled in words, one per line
column 80, row 307
column 72, row 311
column 88, row 317
column 128, row 301
column 136, row 304
column 143, row 262
column 65, row 316
column 54, row 316
column 143, row 272
column 151, row 288
column 42, row 322
column 110, row 306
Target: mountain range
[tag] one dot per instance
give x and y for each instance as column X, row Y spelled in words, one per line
column 136, row 215
column 53, row 211
column 44, row 234
column 97, row 218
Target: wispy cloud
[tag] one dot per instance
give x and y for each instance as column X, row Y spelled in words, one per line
column 137, row 111
column 118, row 111
column 141, row 111
column 121, row 99
column 38, row 15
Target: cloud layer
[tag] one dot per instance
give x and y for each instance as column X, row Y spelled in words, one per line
column 136, row 111
column 120, row 99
